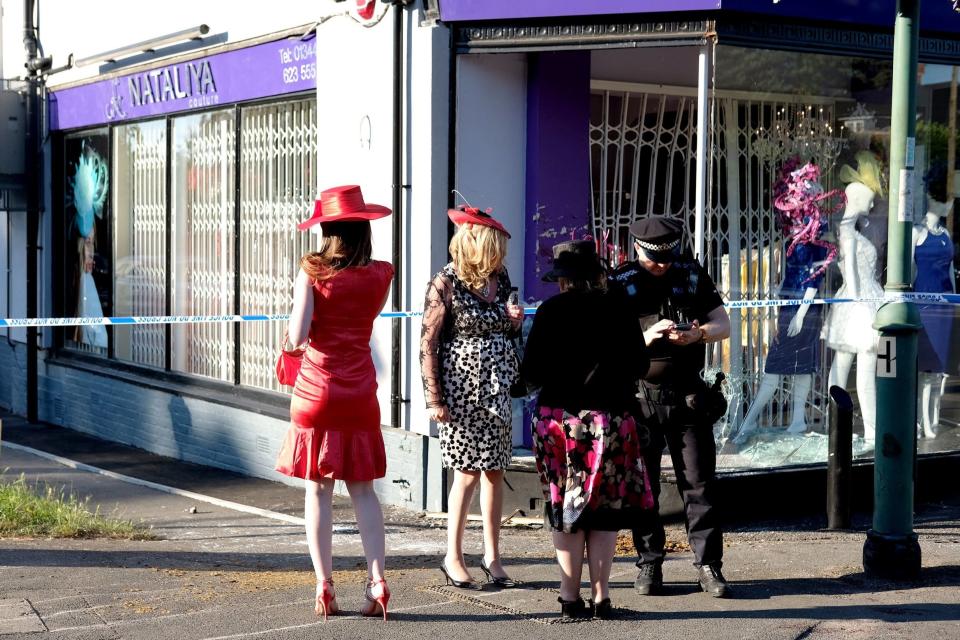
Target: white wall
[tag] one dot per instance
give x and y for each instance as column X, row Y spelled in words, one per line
column 425, row 208
column 355, row 145
column 492, row 142
column 491, row 149
column 95, row 26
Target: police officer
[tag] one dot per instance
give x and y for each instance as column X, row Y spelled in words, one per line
column 678, row 310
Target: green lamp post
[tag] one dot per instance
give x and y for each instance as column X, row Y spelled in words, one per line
column 891, row 549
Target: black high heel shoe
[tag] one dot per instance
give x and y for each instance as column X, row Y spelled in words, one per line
column 506, row 582
column 460, row 584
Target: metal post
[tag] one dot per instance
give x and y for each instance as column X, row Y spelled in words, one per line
column 703, row 136
column 33, row 164
column 891, row 549
column 396, row 389
column 840, row 460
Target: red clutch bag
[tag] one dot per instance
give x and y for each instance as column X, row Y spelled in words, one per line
column 288, row 364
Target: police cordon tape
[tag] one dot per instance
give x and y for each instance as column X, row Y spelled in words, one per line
column 924, row 298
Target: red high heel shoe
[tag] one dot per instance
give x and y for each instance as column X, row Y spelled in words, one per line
column 378, row 595
column 326, row 599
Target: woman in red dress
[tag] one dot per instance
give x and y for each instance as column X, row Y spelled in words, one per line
column 335, row 416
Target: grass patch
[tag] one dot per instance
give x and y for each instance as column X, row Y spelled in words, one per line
column 46, row 511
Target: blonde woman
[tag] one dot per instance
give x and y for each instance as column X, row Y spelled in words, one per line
column 468, row 365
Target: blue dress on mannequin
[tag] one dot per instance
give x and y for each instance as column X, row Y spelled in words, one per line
column 799, row 354
column 934, row 259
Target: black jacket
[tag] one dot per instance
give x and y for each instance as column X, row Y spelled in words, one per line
column 584, row 352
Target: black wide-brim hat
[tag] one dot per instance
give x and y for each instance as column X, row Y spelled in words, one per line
column 574, row 260
column 660, row 237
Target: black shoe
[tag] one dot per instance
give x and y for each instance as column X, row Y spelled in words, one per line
column 602, row 610
column 574, row 609
column 505, row 582
column 712, row 581
column 460, row 584
column 649, row 580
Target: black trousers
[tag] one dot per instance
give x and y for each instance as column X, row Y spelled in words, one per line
column 689, row 437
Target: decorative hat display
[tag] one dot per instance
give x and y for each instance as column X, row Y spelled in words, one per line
column 803, row 208
column 660, row 237
column 574, row 259
column 867, row 172
column 343, row 204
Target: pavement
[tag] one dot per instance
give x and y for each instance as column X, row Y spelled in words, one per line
column 231, row 562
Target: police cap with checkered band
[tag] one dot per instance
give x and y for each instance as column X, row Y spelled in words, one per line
column 660, row 237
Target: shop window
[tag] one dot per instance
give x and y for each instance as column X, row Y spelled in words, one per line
column 130, row 252
column 768, row 110
column 777, row 111
column 278, row 152
column 87, row 259
column 202, row 242
column 140, row 239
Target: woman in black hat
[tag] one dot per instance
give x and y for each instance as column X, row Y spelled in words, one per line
column 585, row 360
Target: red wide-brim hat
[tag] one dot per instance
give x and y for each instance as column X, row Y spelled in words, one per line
column 473, row 215
column 343, row 204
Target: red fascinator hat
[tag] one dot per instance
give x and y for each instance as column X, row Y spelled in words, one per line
column 465, row 214
column 343, row 204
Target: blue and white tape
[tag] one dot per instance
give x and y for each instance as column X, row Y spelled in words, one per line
column 920, row 298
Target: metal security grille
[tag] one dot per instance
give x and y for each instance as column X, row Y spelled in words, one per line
column 278, row 150
column 642, row 160
column 203, row 247
column 140, row 239
column 642, row 150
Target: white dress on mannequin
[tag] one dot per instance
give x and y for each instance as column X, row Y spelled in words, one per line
column 849, row 327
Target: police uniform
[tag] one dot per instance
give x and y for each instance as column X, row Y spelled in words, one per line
column 684, row 293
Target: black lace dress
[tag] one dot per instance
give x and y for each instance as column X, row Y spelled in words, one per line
column 468, row 363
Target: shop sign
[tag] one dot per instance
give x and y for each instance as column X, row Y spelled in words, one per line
column 260, row 71
column 936, row 15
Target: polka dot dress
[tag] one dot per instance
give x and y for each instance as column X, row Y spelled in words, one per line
column 479, row 363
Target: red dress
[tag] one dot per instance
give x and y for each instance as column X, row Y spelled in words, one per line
column 334, row 413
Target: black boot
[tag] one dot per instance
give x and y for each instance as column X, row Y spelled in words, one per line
column 574, row 609
column 712, row 580
column 602, row 610
column 649, row 580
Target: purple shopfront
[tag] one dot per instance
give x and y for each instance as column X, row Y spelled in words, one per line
column 587, row 116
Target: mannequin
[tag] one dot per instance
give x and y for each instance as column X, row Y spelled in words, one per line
column 88, row 194
column 933, row 258
column 795, row 352
column 849, row 330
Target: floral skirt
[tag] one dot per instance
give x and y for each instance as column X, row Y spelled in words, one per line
column 591, row 469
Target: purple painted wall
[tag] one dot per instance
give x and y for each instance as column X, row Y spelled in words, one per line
column 558, row 166
column 936, row 15
column 260, row 71
column 558, row 159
